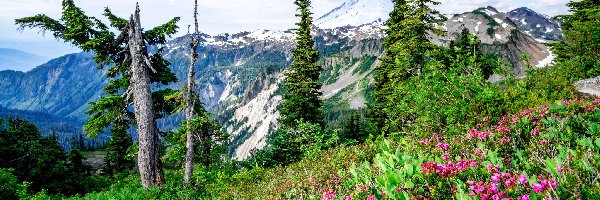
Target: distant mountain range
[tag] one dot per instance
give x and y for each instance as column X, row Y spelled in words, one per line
column 19, row 60
column 240, row 74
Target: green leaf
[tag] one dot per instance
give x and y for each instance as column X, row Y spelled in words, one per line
column 409, row 169
column 409, row 184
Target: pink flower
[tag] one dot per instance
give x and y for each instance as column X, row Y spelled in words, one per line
column 348, row 198
column 553, row 184
column 372, row 197
column 505, row 140
column 559, row 169
column 523, row 179
column 597, row 101
column 443, row 146
column 537, row 188
column 445, row 156
column 495, row 178
column 524, row 197
column 535, row 132
column 328, row 194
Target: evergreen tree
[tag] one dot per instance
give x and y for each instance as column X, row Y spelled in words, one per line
column 383, row 89
column 407, row 48
column 467, row 48
column 302, row 98
column 579, row 49
column 116, row 160
column 133, row 68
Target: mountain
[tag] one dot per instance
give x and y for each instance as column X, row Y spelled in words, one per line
column 498, row 34
column 535, row 24
column 240, row 75
column 19, row 60
column 356, row 13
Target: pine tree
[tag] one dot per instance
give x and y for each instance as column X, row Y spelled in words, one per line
column 383, row 88
column 579, row 49
column 128, row 54
column 302, row 102
column 116, row 160
column 407, row 48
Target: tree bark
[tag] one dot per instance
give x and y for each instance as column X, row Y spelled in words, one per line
column 189, row 136
column 149, row 162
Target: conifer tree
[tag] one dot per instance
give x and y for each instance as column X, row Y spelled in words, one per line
column 116, row 160
column 383, row 81
column 133, row 66
column 407, row 48
column 302, row 99
column 579, row 49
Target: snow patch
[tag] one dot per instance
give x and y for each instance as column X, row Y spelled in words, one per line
column 498, row 36
column 477, row 27
column 548, row 60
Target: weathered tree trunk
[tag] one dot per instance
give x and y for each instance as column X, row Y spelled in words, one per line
column 189, row 136
column 149, row 162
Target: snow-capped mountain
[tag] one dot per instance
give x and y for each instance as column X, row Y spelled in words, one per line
column 535, row 24
column 356, row 13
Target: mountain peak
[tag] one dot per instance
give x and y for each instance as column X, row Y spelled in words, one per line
column 536, row 24
column 356, row 13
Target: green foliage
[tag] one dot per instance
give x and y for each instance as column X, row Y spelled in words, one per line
column 302, row 98
column 407, row 53
column 290, row 145
column 8, row 184
column 41, row 161
column 578, row 51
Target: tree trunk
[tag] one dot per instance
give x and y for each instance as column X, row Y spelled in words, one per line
column 189, row 137
column 149, row 163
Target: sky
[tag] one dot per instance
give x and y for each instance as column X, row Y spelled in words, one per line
column 215, row 16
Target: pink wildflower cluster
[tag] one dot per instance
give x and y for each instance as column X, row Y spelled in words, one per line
column 482, row 135
column 490, row 190
column 569, row 102
column 328, row 194
column 449, row 169
column 544, row 185
column 426, row 141
column 443, row 146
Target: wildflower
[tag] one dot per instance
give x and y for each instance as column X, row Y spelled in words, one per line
column 597, row 101
column 328, row 194
column 535, row 132
column 493, row 169
column 537, row 188
column 495, row 178
column 372, row 197
column 553, row 184
column 559, row 169
column 505, row 140
column 348, row 198
column 443, row 146
column 445, row 156
column 524, row 197
column 523, row 179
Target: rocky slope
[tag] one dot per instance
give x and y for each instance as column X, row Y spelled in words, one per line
column 535, row 24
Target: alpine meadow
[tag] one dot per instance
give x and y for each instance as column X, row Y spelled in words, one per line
column 343, row 100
